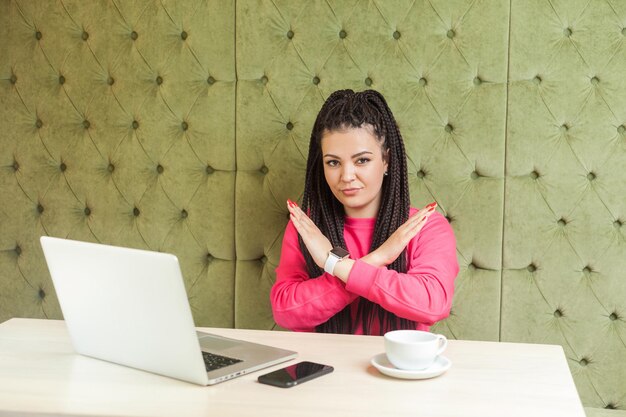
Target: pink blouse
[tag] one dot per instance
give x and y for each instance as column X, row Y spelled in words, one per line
column 422, row 294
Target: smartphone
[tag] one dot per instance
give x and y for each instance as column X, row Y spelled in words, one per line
column 295, row 374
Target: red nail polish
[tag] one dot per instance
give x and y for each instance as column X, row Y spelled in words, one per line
column 433, row 204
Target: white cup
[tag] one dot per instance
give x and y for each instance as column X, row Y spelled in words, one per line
column 413, row 349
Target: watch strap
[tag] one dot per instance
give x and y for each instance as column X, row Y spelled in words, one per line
column 331, row 261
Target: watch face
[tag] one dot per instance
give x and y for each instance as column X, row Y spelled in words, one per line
column 340, row 252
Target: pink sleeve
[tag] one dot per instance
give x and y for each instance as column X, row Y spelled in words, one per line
column 424, row 293
column 298, row 302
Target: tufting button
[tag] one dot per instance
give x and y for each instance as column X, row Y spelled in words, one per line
column 449, row 218
column 111, row 168
column 477, row 81
column 136, row 212
column 584, row 362
column 531, row 268
column 210, row 80
column 537, row 79
column 591, row 176
column 135, row 124
column 87, row 211
column 62, row 167
column 159, row 80
column 423, row 81
column 264, row 79
column 209, row 258
column 263, row 259
column 564, row 128
column 471, row 266
column 41, row 293
column 289, row 126
column 621, row 129
column 13, row 79
column 534, row 175
column 264, row 169
column 85, row 36
column 18, row 250
column 134, row 35
column 421, row 174
column 343, row 34
column 396, row 35
column 110, row 80
column 290, row 34
column 562, row 222
column 183, row 35
column 449, row 128
column 595, row 80
column 184, row 125
column 184, row 214
column 567, row 32
column 40, row 208
column 474, row 175
column 586, row 270
column 38, row 35
column 160, row 169
column 610, row 406
column 39, row 123
column 368, row 81
column 558, row 313
column 86, row 124
column 16, row 166
column 613, row 316
column 624, row 31
column 617, row 224
column 209, row 170
column 316, row 80
column 450, row 34
column 61, row 80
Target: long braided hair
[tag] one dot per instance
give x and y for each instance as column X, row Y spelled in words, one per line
column 345, row 109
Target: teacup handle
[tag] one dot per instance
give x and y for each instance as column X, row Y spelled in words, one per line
column 443, row 344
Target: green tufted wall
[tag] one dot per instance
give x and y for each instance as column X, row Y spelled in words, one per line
column 183, row 126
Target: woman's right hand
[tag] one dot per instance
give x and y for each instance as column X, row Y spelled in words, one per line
column 389, row 251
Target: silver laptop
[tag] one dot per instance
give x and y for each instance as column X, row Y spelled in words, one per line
column 129, row 306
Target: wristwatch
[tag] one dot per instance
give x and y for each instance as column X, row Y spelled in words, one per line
column 335, row 255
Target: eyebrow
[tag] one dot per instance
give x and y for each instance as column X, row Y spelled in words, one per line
column 353, row 156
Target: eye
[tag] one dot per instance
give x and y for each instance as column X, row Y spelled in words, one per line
column 362, row 161
column 332, row 163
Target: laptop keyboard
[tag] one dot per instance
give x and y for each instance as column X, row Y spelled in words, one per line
column 213, row 361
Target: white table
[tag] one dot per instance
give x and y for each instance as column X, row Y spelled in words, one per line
column 41, row 375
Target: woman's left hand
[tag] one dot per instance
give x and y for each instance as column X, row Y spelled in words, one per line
column 318, row 245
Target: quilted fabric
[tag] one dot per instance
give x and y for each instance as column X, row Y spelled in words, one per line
column 184, row 126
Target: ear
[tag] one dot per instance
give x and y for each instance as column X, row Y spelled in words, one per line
column 386, row 158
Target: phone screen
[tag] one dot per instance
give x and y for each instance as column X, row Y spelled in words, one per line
column 295, row 374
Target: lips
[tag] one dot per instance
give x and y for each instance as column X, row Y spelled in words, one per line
column 350, row 191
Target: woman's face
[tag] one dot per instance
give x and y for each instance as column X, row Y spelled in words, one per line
column 354, row 166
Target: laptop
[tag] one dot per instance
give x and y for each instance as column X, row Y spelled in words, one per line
column 129, row 307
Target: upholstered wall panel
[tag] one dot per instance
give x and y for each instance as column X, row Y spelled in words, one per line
column 564, row 279
column 445, row 80
column 118, row 127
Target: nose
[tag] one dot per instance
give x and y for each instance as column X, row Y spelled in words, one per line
column 348, row 173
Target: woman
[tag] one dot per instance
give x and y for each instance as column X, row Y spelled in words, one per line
column 356, row 258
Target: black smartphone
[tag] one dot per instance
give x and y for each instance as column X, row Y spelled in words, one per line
column 295, row 374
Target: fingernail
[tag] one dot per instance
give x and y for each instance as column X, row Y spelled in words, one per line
column 289, row 203
column 433, row 204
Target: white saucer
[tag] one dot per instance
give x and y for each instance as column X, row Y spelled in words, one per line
column 441, row 365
